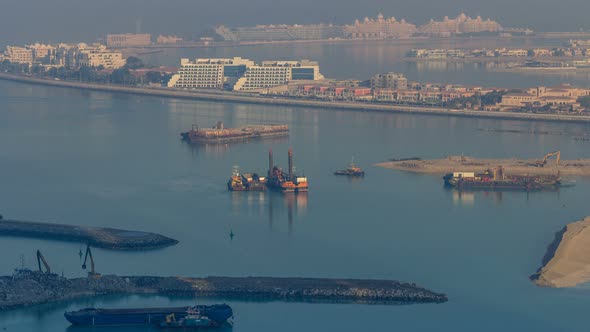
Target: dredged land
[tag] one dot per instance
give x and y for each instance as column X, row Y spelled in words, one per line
column 567, row 263
column 577, row 167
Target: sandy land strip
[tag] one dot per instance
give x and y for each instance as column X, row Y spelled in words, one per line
column 514, row 166
column 567, row 261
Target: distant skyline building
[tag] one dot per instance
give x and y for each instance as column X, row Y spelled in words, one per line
column 389, row 81
column 281, row 32
column 16, row 54
column 129, row 40
column 380, row 28
column 97, row 55
column 460, row 25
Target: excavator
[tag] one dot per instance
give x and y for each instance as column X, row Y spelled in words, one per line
column 542, row 163
column 41, row 259
column 92, row 273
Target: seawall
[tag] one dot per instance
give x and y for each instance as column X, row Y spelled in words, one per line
column 281, row 101
column 27, row 288
column 108, row 238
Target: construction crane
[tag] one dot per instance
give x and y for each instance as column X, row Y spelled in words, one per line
column 92, row 273
column 542, row 163
column 41, row 259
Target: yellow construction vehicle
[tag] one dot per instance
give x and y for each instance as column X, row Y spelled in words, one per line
column 542, row 163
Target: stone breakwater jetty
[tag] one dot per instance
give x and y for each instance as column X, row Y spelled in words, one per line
column 567, row 260
column 27, row 287
column 108, row 238
column 514, row 166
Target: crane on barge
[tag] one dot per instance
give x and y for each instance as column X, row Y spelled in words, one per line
column 41, row 259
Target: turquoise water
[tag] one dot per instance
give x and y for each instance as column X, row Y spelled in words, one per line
column 103, row 159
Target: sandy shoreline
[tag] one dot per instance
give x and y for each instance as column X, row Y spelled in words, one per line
column 578, row 167
column 281, row 101
column 567, row 261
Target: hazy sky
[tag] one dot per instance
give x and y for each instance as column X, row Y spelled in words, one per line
column 74, row 20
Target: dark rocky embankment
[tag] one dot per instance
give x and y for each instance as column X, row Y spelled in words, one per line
column 26, row 288
column 108, row 238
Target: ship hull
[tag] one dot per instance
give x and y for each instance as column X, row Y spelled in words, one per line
column 235, row 134
column 218, row 314
column 500, row 185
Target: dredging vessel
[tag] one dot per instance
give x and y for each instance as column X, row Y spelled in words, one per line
column 496, row 179
column 245, row 182
column 289, row 182
column 217, row 315
column 220, row 134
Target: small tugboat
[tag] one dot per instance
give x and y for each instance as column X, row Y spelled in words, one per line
column 352, row 170
column 193, row 319
column 245, row 182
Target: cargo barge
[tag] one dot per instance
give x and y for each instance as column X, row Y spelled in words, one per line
column 289, row 182
column 495, row 179
column 217, row 314
column 220, row 134
column 245, row 182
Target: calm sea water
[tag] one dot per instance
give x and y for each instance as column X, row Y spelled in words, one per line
column 92, row 158
column 360, row 60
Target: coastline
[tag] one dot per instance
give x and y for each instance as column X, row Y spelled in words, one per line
column 282, row 101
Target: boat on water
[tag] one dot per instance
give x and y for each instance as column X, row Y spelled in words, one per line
column 285, row 182
column 495, row 179
column 193, row 319
column 216, row 315
column 351, row 170
column 220, row 134
column 245, row 182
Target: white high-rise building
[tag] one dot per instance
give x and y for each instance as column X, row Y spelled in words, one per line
column 209, row 73
column 241, row 74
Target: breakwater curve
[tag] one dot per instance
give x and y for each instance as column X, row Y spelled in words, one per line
column 27, row 287
column 107, row 238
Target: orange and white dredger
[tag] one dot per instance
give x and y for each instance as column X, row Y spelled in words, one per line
column 285, row 182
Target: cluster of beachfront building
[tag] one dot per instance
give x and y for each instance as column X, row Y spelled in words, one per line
column 499, row 52
column 64, row 55
column 560, row 96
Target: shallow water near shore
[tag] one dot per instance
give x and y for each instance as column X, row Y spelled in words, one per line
column 113, row 160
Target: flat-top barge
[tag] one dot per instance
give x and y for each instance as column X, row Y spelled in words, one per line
column 216, row 314
column 495, row 179
column 220, row 134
